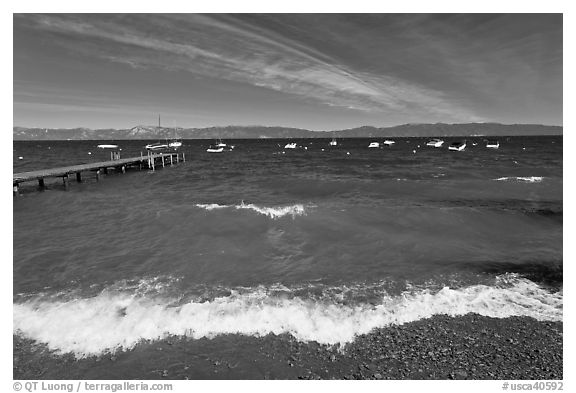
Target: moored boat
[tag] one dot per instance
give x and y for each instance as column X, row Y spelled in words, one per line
column 156, row 146
column 457, row 146
column 436, row 142
column 492, row 144
column 219, row 147
column 114, row 150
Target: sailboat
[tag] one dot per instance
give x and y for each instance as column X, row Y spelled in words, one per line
column 175, row 144
column 157, row 145
column 333, row 142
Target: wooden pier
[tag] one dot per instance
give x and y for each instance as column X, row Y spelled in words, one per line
column 150, row 161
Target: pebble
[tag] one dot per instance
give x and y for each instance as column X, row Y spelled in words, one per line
column 505, row 349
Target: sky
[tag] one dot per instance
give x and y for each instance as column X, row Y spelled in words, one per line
column 313, row 71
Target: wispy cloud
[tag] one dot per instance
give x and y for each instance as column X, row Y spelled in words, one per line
column 210, row 48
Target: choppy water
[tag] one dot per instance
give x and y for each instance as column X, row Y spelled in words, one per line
column 324, row 243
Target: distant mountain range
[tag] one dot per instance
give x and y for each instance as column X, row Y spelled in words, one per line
column 254, row 132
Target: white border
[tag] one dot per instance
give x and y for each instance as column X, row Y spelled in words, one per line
column 356, row 6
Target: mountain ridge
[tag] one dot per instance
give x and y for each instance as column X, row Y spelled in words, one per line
column 255, row 132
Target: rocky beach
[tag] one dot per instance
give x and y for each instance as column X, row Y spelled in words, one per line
column 442, row 347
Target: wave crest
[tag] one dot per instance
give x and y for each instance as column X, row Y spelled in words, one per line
column 211, row 206
column 272, row 212
column 119, row 320
column 527, row 179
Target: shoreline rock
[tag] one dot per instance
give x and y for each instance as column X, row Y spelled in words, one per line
column 442, row 347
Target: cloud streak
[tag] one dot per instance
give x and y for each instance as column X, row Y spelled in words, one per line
column 209, row 48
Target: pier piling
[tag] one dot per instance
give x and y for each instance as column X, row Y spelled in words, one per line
column 98, row 168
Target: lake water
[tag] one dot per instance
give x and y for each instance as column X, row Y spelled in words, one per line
column 322, row 243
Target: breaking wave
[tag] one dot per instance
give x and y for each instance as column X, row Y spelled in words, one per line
column 211, row 206
column 115, row 320
column 272, row 212
column 528, row 179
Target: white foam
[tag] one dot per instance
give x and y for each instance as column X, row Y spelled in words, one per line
column 272, row 212
column 211, row 206
column 275, row 212
column 529, row 179
column 115, row 320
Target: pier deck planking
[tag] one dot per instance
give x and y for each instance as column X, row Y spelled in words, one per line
column 64, row 172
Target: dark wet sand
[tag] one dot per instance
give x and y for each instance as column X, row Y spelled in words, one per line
column 442, row 347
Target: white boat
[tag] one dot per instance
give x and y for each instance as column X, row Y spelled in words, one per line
column 114, row 153
column 333, row 142
column 374, row 144
column 493, row 144
column 157, row 146
column 457, row 146
column 224, row 145
column 435, row 142
column 175, row 144
column 388, row 142
column 219, row 147
column 291, row 145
